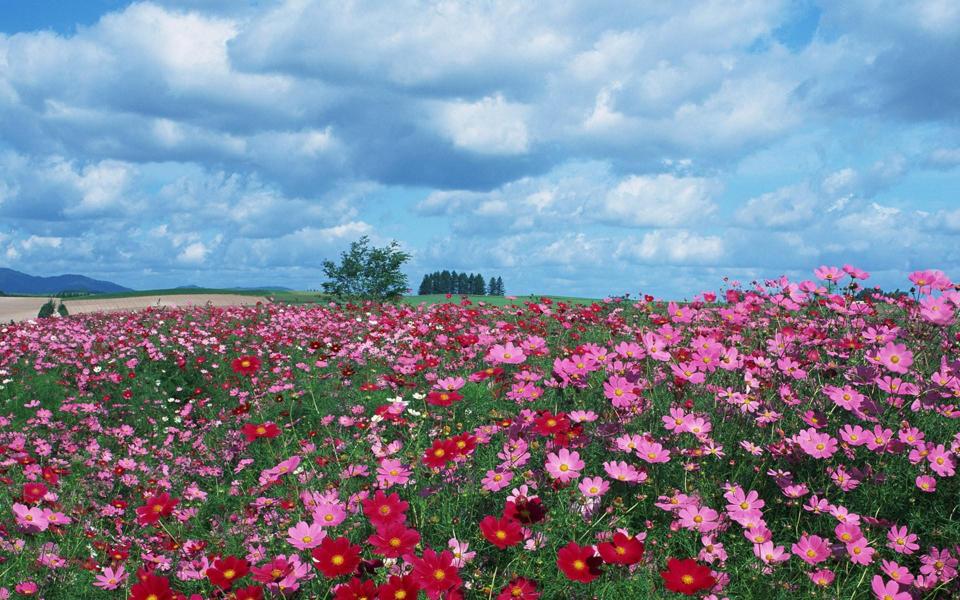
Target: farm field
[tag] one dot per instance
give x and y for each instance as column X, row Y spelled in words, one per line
column 22, row 308
column 776, row 441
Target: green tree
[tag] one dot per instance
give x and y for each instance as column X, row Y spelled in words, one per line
column 366, row 271
column 62, row 310
column 47, row 309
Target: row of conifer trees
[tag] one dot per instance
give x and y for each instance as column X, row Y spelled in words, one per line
column 451, row 282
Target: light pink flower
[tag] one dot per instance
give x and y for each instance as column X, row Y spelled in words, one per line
column 564, row 465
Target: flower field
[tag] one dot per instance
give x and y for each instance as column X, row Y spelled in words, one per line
column 780, row 440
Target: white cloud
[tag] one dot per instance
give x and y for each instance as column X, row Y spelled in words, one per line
column 786, row 207
column 489, row 126
column 659, row 201
column 672, row 247
column 193, row 254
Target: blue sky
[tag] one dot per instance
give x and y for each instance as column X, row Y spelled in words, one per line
column 568, row 147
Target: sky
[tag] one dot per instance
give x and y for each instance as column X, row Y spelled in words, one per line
column 574, row 148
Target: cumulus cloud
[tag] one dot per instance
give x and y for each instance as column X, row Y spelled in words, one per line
column 566, row 144
column 488, row 126
column 659, row 201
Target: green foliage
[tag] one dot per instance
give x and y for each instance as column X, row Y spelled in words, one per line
column 367, row 272
column 445, row 282
column 47, row 309
column 62, row 310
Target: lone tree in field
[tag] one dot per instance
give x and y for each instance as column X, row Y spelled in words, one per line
column 367, row 272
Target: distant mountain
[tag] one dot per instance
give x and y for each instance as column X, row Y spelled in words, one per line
column 15, row 282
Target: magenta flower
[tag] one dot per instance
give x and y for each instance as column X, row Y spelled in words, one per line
column 902, row 541
column 497, row 480
column 887, row 590
column 812, row 549
column 31, row 520
column 895, row 357
column 860, row 552
column 817, row 444
column 110, row 579
column 564, row 465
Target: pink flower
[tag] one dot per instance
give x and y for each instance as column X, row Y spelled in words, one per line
column 902, row 541
column 594, row 487
column 817, row 444
column 110, row 579
column 564, row 465
column 698, row 518
column 460, row 554
column 831, row 274
column 329, row 514
column 860, row 552
column 622, row 471
column 812, row 549
column 822, row 577
column 653, row 452
column 941, row 461
column 889, row 590
column 769, row 553
column 304, row 536
column 619, row 391
column 895, row 357
column 392, row 472
column 506, row 354
column 30, row 520
column 896, row 572
column 926, row 483
column 497, row 480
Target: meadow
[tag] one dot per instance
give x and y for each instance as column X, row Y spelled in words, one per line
column 778, row 440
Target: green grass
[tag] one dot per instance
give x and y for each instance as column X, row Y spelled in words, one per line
column 492, row 300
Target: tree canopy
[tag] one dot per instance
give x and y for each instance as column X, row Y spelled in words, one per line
column 366, row 271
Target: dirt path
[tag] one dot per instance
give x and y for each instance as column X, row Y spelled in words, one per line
column 21, row 309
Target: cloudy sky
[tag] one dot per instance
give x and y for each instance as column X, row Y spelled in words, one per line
column 581, row 148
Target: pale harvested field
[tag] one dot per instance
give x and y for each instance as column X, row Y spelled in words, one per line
column 21, row 309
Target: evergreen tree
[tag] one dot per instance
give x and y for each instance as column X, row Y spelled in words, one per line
column 424, row 286
column 492, row 287
column 445, row 282
column 463, row 285
column 478, row 287
column 62, row 310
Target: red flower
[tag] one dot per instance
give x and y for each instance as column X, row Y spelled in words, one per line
column 265, row 430
column 335, row 557
column 578, row 562
column 686, row 576
column 436, row 456
column 399, row 588
column 527, row 511
column 246, row 365
column 551, row 424
column 151, row 587
column 443, row 398
column 502, row 533
column 34, row 492
column 393, row 540
column 464, row 443
column 227, row 570
column 355, row 589
column 519, row 589
column 383, row 509
column 254, row 592
column 161, row 505
column 435, row 572
column 624, row 550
